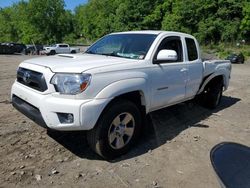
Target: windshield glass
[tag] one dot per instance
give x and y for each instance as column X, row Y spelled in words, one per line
column 133, row 46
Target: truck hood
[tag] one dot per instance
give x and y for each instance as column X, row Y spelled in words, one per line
column 77, row 63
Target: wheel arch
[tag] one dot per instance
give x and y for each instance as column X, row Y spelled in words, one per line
column 211, row 79
column 133, row 89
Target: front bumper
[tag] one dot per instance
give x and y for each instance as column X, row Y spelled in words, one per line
column 28, row 110
column 44, row 108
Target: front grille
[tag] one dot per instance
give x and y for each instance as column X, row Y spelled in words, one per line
column 32, row 79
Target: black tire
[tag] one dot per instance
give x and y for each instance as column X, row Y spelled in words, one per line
column 212, row 93
column 99, row 137
column 52, row 52
column 73, row 52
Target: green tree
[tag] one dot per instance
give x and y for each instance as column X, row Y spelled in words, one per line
column 245, row 23
column 7, row 27
column 50, row 18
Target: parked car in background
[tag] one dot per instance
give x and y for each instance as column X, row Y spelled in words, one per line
column 11, row 48
column 19, row 47
column 60, row 49
column 6, row 49
column 234, row 58
column 33, row 49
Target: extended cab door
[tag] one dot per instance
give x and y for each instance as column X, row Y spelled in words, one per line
column 168, row 78
column 194, row 67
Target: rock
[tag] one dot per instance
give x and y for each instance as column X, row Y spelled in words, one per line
column 22, row 172
column 97, row 173
column 42, row 137
column 196, row 138
column 54, row 171
column 180, row 172
column 80, row 175
column 150, row 151
column 137, row 180
column 125, row 165
column 13, row 173
column 21, row 167
column 66, row 159
column 216, row 114
column 24, row 121
column 155, row 183
column 38, row 177
column 59, row 160
column 31, row 155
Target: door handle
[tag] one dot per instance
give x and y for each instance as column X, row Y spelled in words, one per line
column 184, row 70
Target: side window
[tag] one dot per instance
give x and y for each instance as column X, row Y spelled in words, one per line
column 63, row 46
column 191, row 49
column 171, row 43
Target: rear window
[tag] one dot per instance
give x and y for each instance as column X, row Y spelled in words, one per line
column 191, row 49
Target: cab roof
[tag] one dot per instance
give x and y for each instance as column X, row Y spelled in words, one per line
column 154, row 32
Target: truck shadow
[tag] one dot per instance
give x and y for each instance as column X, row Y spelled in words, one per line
column 161, row 126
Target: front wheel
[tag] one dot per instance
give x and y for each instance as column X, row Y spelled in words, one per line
column 52, row 52
column 116, row 130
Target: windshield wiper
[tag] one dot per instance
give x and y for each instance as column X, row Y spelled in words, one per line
column 89, row 52
column 111, row 54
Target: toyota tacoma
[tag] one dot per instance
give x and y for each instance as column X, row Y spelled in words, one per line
column 110, row 88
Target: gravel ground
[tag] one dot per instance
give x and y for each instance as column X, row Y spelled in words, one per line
column 173, row 151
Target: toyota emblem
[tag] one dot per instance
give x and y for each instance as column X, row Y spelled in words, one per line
column 26, row 77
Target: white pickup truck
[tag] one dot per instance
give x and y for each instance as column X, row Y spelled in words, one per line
column 60, row 49
column 110, row 88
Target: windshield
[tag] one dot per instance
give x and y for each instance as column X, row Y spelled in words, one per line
column 133, row 46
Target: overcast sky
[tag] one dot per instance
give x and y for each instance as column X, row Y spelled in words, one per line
column 70, row 4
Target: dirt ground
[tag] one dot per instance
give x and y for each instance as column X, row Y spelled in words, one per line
column 173, row 152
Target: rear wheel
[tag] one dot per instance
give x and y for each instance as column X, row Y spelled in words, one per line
column 73, row 51
column 116, row 130
column 212, row 93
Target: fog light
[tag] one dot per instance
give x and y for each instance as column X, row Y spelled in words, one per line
column 65, row 118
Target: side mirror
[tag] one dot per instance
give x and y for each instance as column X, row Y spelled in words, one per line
column 167, row 55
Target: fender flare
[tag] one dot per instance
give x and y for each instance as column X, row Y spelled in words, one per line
column 126, row 86
column 208, row 78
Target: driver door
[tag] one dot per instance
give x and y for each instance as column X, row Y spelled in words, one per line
column 168, row 84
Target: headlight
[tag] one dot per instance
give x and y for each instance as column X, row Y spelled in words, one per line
column 70, row 84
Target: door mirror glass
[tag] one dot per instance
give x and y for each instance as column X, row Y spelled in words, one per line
column 167, row 55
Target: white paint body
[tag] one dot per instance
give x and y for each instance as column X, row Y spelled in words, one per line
column 160, row 85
